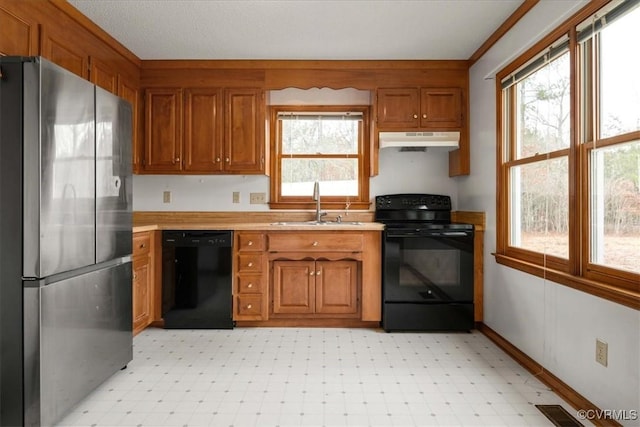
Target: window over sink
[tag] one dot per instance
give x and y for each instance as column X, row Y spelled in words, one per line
column 328, row 144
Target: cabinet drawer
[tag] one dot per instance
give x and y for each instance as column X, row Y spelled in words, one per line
column 141, row 243
column 336, row 242
column 250, row 284
column 250, row 263
column 250, row 242
column 249, row 305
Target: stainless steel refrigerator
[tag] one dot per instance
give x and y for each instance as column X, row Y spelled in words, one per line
column 65, row 239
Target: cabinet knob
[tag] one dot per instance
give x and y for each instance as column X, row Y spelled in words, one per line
column 424, row 116
column 315, row 243
column 135, row 276
column 311, row 273
column 142, row 245
column 227, row 160
column 318, row 272
column 415, row 116
column 176, row 160
column 250, row 285
column 249, row 306
column 250, row 243
column 250, row 264
column 217, row 159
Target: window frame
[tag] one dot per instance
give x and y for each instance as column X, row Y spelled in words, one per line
column 359, row 202
column 577, row 271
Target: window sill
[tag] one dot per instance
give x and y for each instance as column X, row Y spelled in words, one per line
column 621, row 296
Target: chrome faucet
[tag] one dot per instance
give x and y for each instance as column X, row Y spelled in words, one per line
column 316, row 197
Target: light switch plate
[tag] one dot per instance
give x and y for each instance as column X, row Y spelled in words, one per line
column 166, row 197
column 236, row 197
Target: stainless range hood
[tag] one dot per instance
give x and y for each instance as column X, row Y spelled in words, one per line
column 419, row 141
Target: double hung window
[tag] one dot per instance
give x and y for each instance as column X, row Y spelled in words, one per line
column 323, row 144
column 569, row 155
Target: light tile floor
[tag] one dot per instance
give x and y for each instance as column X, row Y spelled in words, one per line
column 315, row 377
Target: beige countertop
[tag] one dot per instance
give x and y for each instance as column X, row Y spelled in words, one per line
column 263, row 226
column 272, row 221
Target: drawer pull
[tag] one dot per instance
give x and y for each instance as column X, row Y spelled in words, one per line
column 250, row 264
column 250, row 243
column 249, row 306
column 250, row 285
column 142, row 245
column 315, row 243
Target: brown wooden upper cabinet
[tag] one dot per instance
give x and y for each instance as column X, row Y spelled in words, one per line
column 184, row 131
column 18, row 34
column 102, row 75
column 419, row 108
column 128, row 90
column 59, row 50
column 163, row 130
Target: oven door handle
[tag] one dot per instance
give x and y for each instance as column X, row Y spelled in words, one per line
column 430, row 234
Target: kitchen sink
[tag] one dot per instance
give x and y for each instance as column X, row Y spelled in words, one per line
column 316, row 223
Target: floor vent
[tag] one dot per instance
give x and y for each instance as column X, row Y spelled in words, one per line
column 559, row 416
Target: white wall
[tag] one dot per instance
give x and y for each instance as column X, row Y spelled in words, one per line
column 400, row 172
column 555, row 325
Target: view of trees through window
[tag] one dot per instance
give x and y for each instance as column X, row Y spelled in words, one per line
column 615, row 169
column 320, row 148
column 539, row 188
column 538, row 145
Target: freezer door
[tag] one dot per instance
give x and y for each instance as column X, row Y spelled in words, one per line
column 113, row 176
column 83, row 337
column 59, row 170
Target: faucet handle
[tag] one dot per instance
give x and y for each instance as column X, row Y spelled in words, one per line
column 339, row 218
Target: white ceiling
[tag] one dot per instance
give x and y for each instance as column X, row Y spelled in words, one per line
column 299, row 29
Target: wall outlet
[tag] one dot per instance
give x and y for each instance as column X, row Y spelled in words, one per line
column 236, row 197
column 166, row 197
column 257, row 198
column 602, row 350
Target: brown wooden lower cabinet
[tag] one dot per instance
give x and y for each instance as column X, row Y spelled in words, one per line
column 142, row 286
column 315, row 288
column 306, row 278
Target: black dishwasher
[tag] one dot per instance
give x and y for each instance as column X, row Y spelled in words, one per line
column 196, row 279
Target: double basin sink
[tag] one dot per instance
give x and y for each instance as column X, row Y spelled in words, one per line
column 317, row 223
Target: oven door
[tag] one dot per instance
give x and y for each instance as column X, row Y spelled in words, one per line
column 428, row 267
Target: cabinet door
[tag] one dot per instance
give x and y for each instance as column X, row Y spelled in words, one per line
column 440, row 108
column 337, row 287
column 163, row 130
column 129, row 91
column 244, row 131
column 65, row 54
column 102, row 75
column 202, row 130
column 141, row 294
column 18, row 36
column 397, row 108
column 293, row 287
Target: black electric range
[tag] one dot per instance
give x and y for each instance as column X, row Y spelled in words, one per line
column 427, row 268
